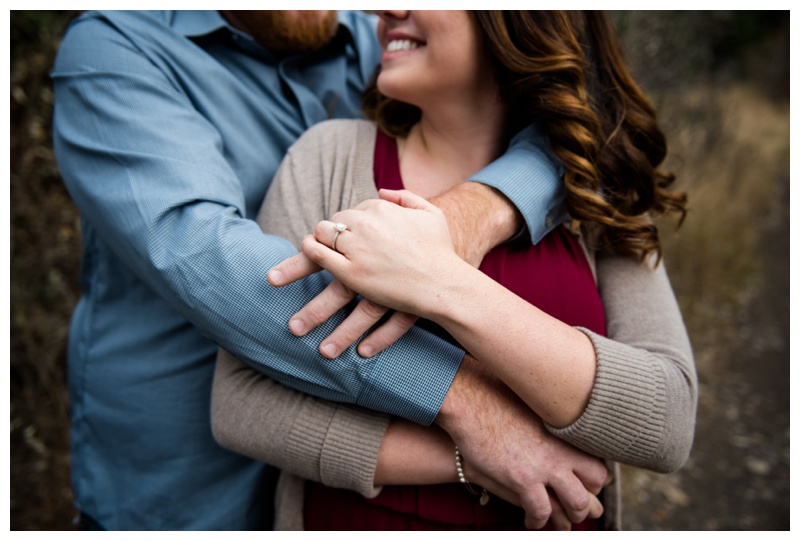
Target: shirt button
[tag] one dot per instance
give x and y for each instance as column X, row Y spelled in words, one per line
column 548, row 221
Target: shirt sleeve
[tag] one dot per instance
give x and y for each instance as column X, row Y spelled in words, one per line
column 530, row 177
column 150, row 174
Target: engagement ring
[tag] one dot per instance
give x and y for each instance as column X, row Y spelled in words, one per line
column 339, row 227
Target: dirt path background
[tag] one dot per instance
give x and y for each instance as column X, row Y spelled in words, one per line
column 738, row 475
column 728, row 128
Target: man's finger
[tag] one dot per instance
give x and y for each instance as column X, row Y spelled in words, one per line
column 319, row 309
column 595, row 508
column 387, row 334
column 573, row 496
column 292, row 269
column 537, row 506
column 609, row 477
column 365, row 315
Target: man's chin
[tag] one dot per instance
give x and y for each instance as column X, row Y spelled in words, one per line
column 287, row 32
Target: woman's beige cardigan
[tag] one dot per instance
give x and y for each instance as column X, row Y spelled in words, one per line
column 641, row 411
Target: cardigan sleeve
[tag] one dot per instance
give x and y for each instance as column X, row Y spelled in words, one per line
column 643, row 405
column 253, row 415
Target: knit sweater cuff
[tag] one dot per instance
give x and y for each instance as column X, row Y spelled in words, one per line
column 343, row 443
column 350, row 453
column 624, row 419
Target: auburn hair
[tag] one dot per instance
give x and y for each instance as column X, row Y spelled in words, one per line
column 564, row 70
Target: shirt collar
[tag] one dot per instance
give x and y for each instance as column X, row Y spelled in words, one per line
column 197, row 23
column 201, row 23
column 346, row 22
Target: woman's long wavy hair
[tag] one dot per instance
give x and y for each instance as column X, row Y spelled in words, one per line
column 564, row 70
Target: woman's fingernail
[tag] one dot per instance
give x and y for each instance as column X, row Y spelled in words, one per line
column 297, row 327
column 366, row 351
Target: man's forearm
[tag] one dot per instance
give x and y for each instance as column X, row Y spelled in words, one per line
column 480, row 217
column 391, row 382
column 531, row 178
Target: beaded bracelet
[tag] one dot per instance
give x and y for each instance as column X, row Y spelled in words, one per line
column 463, row 480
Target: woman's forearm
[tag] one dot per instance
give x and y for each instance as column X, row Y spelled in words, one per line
column 404, row 258
column 547, row 363
column 629, row 397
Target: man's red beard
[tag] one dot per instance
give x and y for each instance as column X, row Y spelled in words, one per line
column 287, row 31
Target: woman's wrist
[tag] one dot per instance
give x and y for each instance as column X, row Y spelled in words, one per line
column 455, row 295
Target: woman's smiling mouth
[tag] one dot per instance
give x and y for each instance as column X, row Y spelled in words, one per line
column 401, row 45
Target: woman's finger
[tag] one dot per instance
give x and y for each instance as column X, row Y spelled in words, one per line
column 332, row 234
column 324, row 256
column 538, row 508
column 406, row 199
column 559, row 519
column 573, row 496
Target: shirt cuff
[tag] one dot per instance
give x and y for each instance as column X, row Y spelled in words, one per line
column 531, row 178
column 424, row 369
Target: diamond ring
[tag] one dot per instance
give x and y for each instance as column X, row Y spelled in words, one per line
column 338, row 227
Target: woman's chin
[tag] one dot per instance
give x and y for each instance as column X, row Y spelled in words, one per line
column 395, row 87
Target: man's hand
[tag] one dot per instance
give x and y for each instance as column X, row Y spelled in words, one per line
column 334, row 297
column 507, row 451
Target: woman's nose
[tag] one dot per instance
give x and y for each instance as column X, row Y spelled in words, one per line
column 393, row 14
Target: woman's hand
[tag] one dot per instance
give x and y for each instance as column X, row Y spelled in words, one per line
column 463, row 205
column 365, row 316
column 397, row 254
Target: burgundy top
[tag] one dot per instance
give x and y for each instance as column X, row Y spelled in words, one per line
column 553, row 275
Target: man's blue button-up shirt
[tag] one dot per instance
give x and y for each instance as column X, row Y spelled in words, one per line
column 168, row 128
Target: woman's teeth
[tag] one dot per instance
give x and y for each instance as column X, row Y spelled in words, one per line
column 401, row 45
